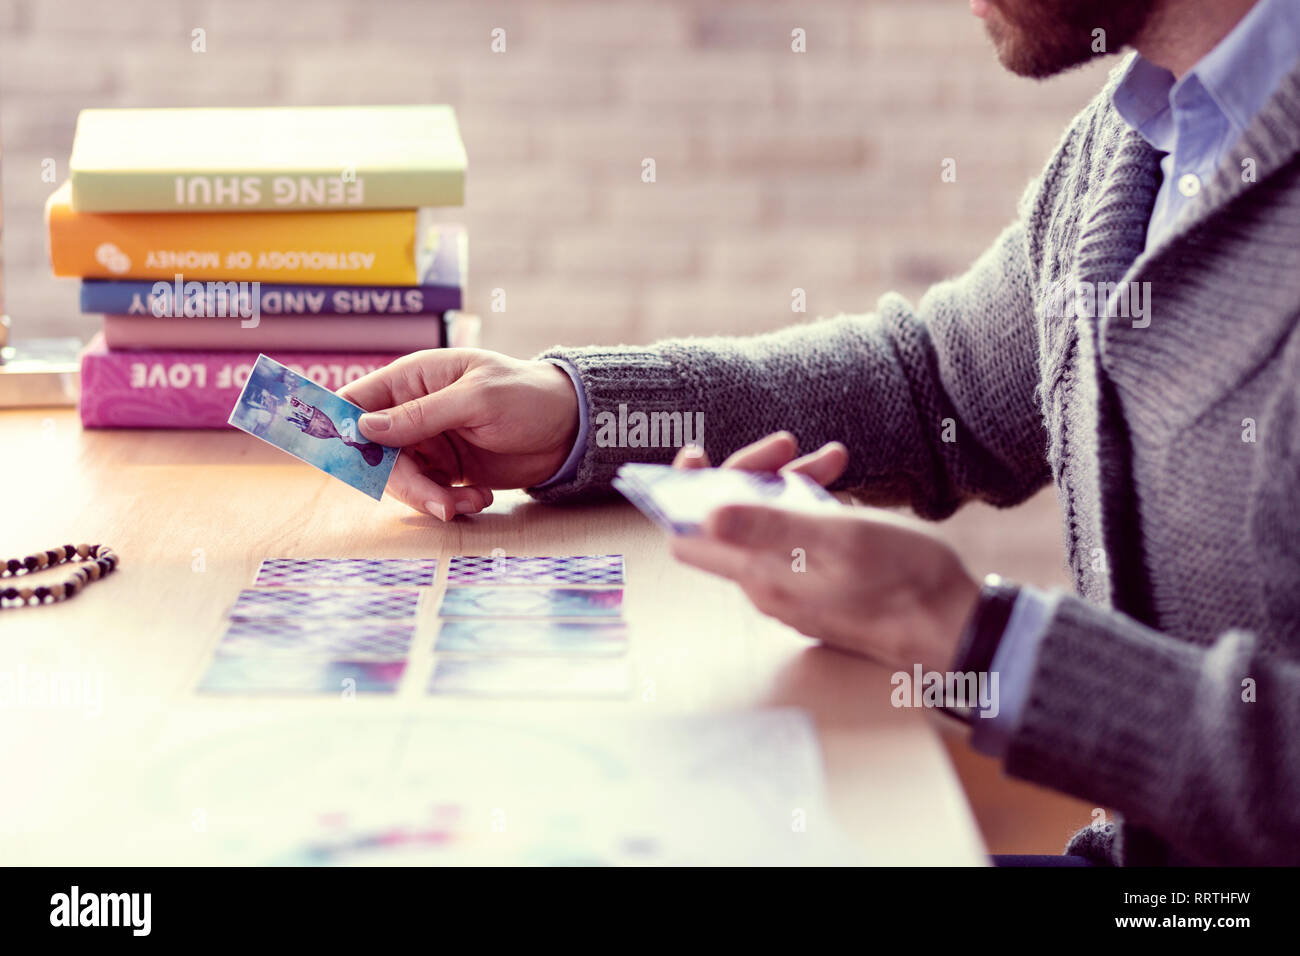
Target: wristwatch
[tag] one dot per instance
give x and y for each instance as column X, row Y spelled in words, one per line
column 982, row 634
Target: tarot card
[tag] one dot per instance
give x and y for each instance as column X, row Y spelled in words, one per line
column 530, row 677
column 532, row 602
column 349, row 639
column 310, row 422
column 230, row 674
column 572, row 638
column 392, row 603
column 536, row 569
column 680, row 499
column 346, row 572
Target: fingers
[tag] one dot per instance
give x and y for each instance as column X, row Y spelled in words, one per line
column 711, row 556
column 766, row 454
column 761, row 528
column 420, row 418
column 691, row 456
column 419, row 491
column 408, row 377
column 824, row 465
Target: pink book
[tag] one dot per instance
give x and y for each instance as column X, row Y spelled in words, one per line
column 390, row 333
column 175, row 389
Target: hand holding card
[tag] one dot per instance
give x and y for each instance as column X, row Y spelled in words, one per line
column 313, row 424
column 680, row 499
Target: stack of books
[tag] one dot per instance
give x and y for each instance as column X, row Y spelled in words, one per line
column 208, row 236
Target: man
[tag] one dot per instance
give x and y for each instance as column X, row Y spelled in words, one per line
column 1131, row 338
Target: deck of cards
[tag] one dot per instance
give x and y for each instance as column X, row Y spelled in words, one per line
column 678, row 500
column 313, row 424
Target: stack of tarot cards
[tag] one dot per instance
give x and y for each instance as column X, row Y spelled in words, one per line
column 532, row 626
column 322, row 625
column 679, row 500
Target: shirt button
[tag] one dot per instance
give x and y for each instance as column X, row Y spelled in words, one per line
column 1189, row 184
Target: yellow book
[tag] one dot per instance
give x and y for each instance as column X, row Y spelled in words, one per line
column 363, row 247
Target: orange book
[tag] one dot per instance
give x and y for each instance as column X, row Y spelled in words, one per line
column 362, row 247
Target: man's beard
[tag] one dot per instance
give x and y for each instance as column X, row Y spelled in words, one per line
column 1041, row 38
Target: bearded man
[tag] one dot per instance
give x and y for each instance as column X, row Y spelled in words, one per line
column 1168, row 686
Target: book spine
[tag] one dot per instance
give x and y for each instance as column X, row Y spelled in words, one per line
column 131, row 297
column 325, row 248
column 168, row 389
column 400, row 333
column 96, row 190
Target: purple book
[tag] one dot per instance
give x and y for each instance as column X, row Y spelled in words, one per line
column 441, row 288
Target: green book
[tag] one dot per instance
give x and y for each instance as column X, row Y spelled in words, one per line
column 267, row 158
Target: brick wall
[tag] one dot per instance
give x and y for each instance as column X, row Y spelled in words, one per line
column 775, row 169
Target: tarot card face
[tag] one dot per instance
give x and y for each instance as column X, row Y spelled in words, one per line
column 259, row 675
column 310, row 422
column 389, row 603
column 349, row 639
column 532, row 602
column 346, row 572
column 572, row 638
column 530, row 677
column 603, row 569
column 679, row 500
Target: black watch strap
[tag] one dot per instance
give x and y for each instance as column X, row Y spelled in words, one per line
column 983, row 632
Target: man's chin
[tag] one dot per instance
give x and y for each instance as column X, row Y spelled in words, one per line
column 1034, row 61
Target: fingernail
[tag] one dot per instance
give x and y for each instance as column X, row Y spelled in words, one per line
column 436, row 509
column 376, row 421
column 694, row 451
column 463, row 507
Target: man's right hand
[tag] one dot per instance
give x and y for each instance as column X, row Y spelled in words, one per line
column 469, row 420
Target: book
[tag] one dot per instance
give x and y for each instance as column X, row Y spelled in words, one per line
column 173, row 389
column 268, row 158
column 390, row 333
column 369, row 247
column 442, row 287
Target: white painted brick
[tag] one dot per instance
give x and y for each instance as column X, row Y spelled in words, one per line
column 45, row 68
column 583, row 28
column 689, row 200
column 829, row 28
column 785, row 149
column 184, row 78
column 610, row 142
column 12, row 15
column 532, row 82
column 234, row 25
column 125, row 21
column 619, row 252
column 798, row 258
column 364, row 74
column 532, row 194
column 716, row 81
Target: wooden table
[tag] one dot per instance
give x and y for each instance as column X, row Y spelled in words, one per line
column 193, row 513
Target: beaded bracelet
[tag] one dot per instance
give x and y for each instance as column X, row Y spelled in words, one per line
column 100, row 562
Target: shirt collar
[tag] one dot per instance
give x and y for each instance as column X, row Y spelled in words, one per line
column 1239, row 74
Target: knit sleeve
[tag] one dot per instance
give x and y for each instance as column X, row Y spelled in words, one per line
column 1196, row 744
column 936, row 402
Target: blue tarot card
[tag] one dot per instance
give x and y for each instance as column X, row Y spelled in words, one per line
column 310, row 422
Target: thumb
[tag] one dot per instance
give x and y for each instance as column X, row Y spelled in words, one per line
column 420, row 418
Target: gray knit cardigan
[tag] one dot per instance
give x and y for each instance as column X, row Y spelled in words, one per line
column 1169, row 688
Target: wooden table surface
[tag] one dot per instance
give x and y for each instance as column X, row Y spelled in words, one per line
column 193, row 513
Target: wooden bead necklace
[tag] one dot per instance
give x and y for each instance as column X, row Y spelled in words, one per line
column 100, row 562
